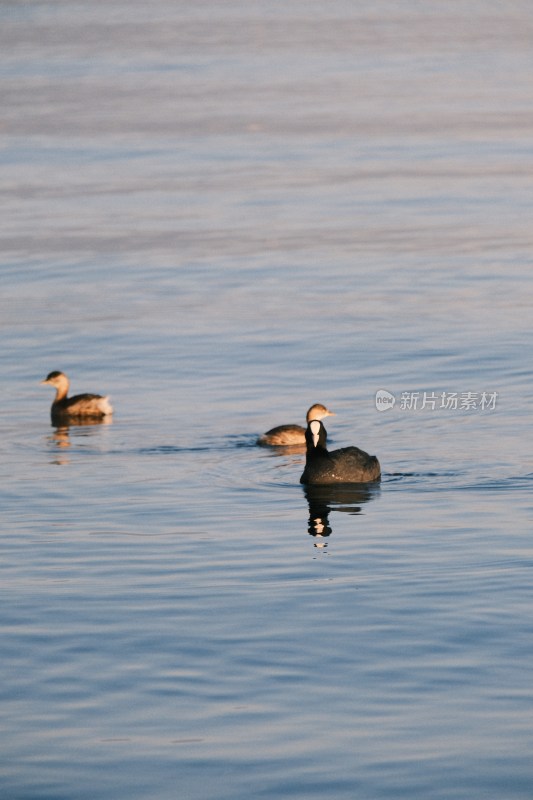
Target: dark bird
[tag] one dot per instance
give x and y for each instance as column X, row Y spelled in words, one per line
column 346, row 465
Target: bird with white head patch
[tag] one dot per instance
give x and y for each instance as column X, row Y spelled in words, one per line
column 346, row 465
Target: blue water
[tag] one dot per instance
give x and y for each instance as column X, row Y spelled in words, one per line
column 219, row 214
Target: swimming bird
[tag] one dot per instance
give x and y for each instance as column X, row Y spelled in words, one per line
column 287, row 435
column 346, row 465
column 79, row 407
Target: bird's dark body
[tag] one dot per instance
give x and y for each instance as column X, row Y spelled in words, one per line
column 345, row 465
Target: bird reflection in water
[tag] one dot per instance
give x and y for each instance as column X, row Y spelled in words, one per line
column 60, row 438
column 347, row 498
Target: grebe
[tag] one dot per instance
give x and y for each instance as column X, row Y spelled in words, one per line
column 287, row 435
column 82, row 406
column 346, row 465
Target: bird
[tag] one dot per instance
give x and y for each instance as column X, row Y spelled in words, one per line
column 79, row 407
column 346, row 465
column 290, row 435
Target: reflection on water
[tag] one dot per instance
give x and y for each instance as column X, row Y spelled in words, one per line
column 347, row 498
column 287, row 449
column 60, row 439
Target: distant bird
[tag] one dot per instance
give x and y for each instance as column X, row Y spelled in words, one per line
column 346, row 465
column 79, row 407
column 288, row 435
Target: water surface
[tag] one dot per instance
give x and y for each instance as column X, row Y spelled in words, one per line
column 220, row 214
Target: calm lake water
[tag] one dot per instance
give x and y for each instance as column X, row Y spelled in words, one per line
column 218, row 214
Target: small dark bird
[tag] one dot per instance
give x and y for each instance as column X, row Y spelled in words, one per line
column 346, row 465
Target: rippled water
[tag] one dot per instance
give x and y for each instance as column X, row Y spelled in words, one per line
column 220, row 213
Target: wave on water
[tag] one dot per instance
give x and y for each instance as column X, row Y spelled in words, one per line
column 455, row 480
column 216, row 444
